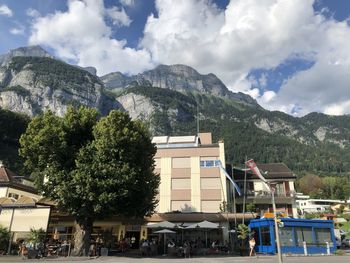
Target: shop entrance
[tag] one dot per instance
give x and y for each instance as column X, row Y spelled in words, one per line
column 134, row 238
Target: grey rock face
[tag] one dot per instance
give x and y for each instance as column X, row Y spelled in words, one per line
column 30, row 91
column 176, row 77
column 138, row 106
column 30, row 51
column 116, row 80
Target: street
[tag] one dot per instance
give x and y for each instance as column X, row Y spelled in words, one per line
column 262, row 259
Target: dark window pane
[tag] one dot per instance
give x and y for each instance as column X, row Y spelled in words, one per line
column 255, row 232
column 209, row 163
column 265, row 236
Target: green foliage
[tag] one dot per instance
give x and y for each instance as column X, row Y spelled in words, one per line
column 325, row 187
column 242, row 232
column 12, row 125
column 250, row 207
column 4, row 238
column 52, row 71
column 236, row 124
column 36, row 236
column 93, row 168
column 312, row 215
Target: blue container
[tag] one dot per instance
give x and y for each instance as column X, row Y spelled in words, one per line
column 292, row 235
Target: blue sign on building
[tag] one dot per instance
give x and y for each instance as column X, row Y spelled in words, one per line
column 293, row 234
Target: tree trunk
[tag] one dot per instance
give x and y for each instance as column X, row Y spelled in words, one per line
column 82, row 237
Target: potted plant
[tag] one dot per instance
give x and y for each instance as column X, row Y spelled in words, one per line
column 242, row 234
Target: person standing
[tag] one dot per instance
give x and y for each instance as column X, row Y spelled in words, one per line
column 252, row 245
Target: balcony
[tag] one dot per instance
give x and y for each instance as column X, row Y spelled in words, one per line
column 263, row 197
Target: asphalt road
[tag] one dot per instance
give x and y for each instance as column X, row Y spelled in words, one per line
column 261, row 259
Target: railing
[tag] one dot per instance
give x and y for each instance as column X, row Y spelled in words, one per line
column 261, row 193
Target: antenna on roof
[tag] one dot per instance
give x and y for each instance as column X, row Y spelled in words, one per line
column 197, row 118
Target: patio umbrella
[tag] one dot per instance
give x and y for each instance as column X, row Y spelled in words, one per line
column 165, row 231
column 204, row 225
column 163, row 224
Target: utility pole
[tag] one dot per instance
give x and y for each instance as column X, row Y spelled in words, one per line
column 279, row 252
column 11, row 235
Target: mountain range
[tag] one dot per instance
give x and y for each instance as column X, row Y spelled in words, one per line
column 173, row 99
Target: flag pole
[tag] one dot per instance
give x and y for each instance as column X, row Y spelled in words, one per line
column 244, row 187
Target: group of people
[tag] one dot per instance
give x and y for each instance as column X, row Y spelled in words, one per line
column 149, row 247
column 38, row 250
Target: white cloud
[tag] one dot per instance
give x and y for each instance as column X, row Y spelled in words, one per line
column 17, row 30
column 81, row 34
column 5, row 10
column 32, row 12
column 338, row 109
column 119, row 17
column 247, row 35
column 127, row 2
column 253, row 34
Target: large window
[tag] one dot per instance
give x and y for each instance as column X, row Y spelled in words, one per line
column 286, row 235
column 323, row 235
column 304, row 234
column 265, row 236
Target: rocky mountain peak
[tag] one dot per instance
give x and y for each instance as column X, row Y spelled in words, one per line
column 177, row 69
column 30, row 51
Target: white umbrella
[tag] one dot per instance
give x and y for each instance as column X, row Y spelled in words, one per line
column 163, row 224
column 204, row 225
column 165, row 231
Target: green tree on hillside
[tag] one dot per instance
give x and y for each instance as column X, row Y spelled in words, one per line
column 92, row 168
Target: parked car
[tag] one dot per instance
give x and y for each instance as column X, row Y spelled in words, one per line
column 346, row 242
column 342, row 232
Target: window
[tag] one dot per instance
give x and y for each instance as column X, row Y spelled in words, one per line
column 13, row 195
column 183, row 206
column 265, row 236
column 323, row 235
column 180, row 183
column 210, row 163
column 304, row 234
column 211, row 206
column 286, row 235
column 182, row 162
column 210, row 183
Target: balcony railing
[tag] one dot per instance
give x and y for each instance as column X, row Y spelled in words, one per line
column 261, row 193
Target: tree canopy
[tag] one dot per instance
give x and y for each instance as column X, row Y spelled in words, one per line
column 93, row 168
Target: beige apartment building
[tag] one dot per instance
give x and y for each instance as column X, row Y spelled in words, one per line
column 190, row 176
column 191, row 190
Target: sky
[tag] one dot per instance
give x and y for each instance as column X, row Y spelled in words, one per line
column 289, row 55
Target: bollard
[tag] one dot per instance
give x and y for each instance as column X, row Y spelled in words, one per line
column 305, row 248
column 328, row 248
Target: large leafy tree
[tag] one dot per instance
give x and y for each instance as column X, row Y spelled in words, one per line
column 93, row 168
